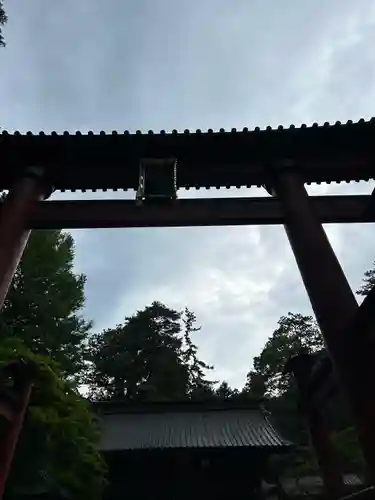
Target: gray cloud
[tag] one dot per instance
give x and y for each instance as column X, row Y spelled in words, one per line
column 192, row 64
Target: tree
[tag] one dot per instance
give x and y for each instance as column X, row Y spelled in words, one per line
column 295, row 334
column 298, row 334
column 45, row 300
column 368, row 282
column 150, row 357
column 226, row 392
column 3, row 21
column 57, row 449
column 255, row 384
column 41, row 322
column 198, row 386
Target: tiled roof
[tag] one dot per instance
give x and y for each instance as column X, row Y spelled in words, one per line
column 88, row 161
column 213, row 428
column 209, row 131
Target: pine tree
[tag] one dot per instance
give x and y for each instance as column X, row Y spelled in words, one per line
column 150, row 357
column 368, row 282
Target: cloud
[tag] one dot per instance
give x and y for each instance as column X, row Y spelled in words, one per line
column 190, row 64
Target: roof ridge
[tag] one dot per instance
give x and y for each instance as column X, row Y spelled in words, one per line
column 198, row 131
column 176, row 406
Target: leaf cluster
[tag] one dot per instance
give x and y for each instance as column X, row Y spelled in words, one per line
column 57, row 449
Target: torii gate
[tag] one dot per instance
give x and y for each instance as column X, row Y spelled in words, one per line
column 155, row 165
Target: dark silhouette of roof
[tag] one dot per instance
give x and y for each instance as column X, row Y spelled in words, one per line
column 186, row 425
column 325, row 153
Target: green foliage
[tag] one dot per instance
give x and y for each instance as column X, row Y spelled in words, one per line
column 368, row 282
column 255, row 384
column 285, row 409
column 41, row 322
column 293, row 464
column 44, row 302
column 57, row 448
column 198, row 387
column 150, row 357
column 346, row 442
column 225, row 392
column 298, row 334
column 295, row 334
column 3, row 21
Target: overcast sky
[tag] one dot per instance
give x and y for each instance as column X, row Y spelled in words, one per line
column 165, row 64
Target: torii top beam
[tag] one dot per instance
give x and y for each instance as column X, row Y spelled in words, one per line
column 327, row 153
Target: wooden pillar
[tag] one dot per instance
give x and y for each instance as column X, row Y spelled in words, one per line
column 17, row 396
column 14, row 212
column 12, row 433
column 331, row 297
column 334, row 305
column 13, row 218
column 321, row 441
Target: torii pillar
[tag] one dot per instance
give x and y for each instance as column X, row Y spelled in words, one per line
column 333, row 302
column 14, row 214
column 14, row 233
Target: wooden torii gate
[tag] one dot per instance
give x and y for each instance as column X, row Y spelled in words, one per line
column 154, row 165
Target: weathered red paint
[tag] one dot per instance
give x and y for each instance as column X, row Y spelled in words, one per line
column 12, row 434
column 14, row 234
